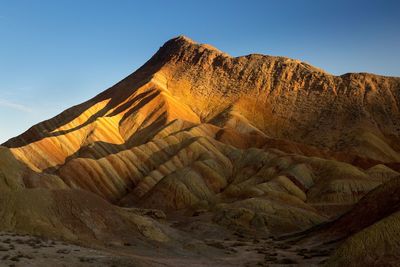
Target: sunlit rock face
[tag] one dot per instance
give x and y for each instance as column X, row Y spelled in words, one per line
column 262, row 142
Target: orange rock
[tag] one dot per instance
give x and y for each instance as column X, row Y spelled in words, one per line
column 195, row 125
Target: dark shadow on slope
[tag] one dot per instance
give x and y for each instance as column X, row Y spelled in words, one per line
column 117, row 93
column 223, row 117
column 101, row 149
column 373, row 207
column 128, row 104
column 154, row 161
column 144, row 98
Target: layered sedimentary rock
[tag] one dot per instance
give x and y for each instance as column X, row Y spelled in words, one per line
column 272, row 96
column 372, row 228
column 255, row 144
column 42, row 204
column 259, row 141
column 74, row 215
column 14, row 175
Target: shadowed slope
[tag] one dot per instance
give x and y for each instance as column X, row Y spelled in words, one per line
column 148, row 106
column 373, row 227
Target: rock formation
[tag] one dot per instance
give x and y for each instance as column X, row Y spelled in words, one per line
column 259, row 142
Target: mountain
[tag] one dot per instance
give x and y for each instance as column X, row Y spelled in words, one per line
column 272, row 96
column 256, row 143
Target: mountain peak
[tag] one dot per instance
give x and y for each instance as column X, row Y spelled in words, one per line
column 183, row 44
column 183, row 38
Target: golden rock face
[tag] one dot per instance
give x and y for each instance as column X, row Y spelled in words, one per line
column 261, row 141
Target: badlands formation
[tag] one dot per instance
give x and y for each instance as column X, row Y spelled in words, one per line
column 199, row 158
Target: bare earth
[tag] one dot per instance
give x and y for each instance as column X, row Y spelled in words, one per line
column 238, row 250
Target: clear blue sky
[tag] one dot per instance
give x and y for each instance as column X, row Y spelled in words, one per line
column 55, row 54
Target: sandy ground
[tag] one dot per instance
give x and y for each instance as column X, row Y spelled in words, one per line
column 236, row 250
column 25, row 250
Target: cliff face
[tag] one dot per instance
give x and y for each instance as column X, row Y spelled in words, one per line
column 197, row 127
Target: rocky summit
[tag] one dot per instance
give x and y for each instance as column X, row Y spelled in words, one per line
column 200, row 158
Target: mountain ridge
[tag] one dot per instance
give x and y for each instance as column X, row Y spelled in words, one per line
column 257, row 144
column 232, row 100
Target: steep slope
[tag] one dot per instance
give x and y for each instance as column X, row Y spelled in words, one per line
column 285, row 98
column 376, row 205
column 373, row 226
column 269, row 138
column 109, row 124
column 280, row 97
